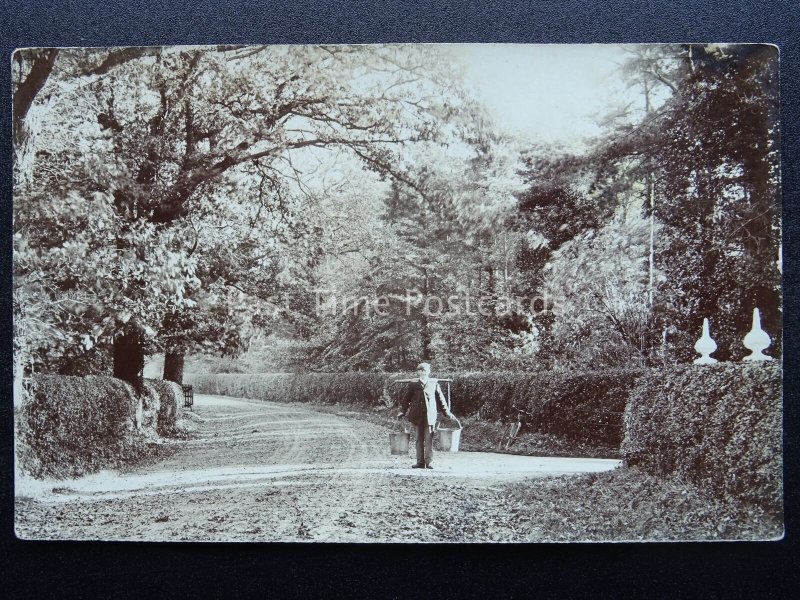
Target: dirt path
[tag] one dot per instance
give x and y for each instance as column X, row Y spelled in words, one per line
column 255, row 471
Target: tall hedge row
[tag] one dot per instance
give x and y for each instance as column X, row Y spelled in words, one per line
column 718, row 426
column 586, row 407
column 69, row 426
column 73, row 425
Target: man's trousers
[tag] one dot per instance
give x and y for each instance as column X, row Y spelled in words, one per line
column 424, row 445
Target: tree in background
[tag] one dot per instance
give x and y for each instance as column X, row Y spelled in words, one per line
column 711, row 152
column 429, row 263
column 598, row 284
column 695, row 154
column 551, row 212
column 169, row 134
column 183, row 199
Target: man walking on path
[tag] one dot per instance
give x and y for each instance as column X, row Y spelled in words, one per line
column 419, row 407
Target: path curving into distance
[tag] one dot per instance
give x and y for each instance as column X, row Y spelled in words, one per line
column 260, row 471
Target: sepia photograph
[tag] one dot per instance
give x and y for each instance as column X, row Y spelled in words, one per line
column 398, row 293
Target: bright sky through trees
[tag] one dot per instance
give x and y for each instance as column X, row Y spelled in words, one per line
column 539, row 94
column 544, row 93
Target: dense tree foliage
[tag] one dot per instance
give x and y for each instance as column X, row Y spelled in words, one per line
column 187, row 178
column 697, row 155
column 357, row 201
column 427, row 290
column 713, row 151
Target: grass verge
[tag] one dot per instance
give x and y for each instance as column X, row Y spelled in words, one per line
column 628, row 504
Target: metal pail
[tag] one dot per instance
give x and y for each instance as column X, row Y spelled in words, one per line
column 398, row 442
column 449, row 438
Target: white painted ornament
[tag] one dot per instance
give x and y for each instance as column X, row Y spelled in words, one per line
column 705, row 346
column 757, row 340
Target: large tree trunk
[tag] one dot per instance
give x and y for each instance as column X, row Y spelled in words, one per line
column 173, row 366
column 24, row 95
column 27, row 90
column 129, row 356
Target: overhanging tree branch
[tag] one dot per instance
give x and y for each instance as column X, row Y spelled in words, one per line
column 117, row 57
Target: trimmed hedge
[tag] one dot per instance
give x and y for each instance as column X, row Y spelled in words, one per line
column 165, row 404
column 151, row 404
column 358, row 389
column 585, row 407
column 717, row 426
column 74, row 425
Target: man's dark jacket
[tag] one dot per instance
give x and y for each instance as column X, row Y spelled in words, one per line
column 413, row 404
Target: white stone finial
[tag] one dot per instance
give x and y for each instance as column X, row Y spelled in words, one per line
column 705, row 346
column 757, row 340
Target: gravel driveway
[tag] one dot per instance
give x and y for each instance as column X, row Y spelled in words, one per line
column 256, row 471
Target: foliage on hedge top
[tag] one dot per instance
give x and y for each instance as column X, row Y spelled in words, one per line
column 586, row 407
column 73, row 425
column 169, row 401
column 718, row 426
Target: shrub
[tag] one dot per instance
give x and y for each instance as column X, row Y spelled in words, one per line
column 167, row 399
column 584, row 407
column 151, row 404
column 718, row 426
column 73, row 425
